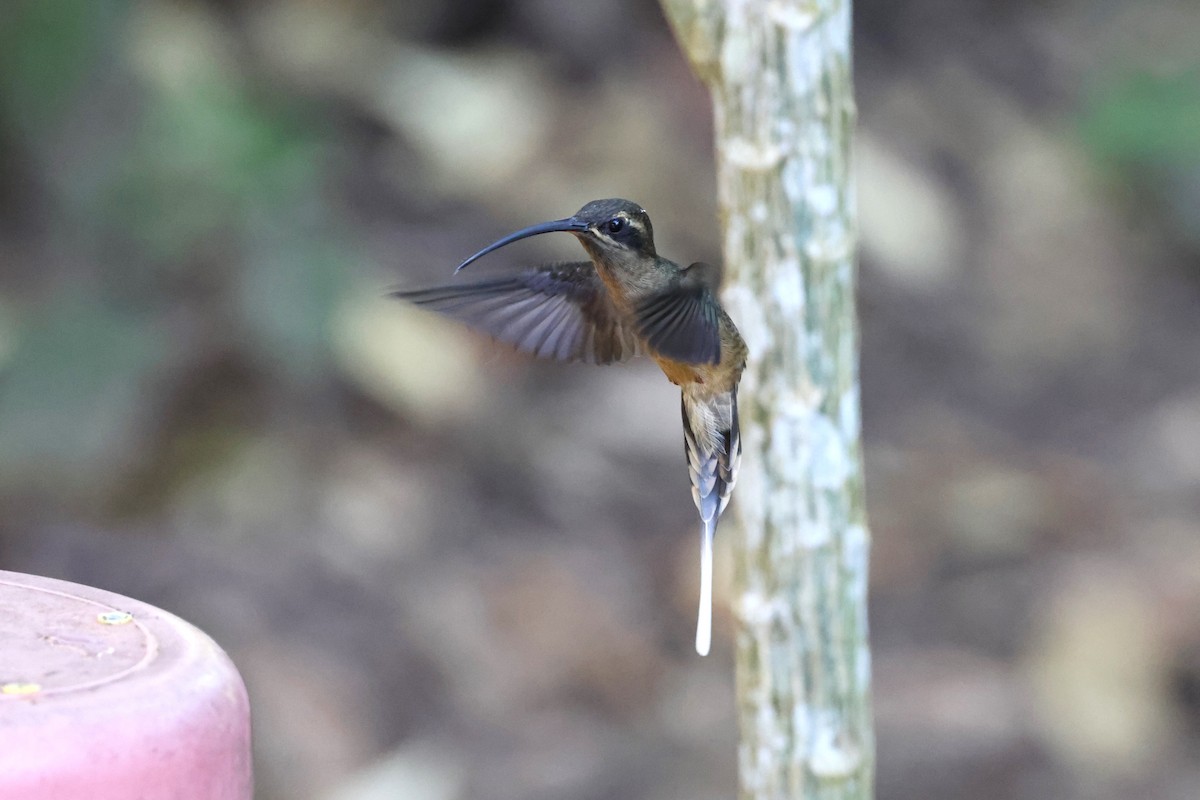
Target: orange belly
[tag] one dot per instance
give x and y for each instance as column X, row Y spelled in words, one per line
column 679, row 373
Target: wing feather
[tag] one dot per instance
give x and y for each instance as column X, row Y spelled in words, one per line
column 682, row 324
column 559, row 311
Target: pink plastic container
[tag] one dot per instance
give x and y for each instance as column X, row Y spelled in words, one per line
column 107, row 698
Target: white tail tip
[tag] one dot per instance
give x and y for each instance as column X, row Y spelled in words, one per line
column 704, row 619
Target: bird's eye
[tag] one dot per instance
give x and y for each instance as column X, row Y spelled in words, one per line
column 615, row 225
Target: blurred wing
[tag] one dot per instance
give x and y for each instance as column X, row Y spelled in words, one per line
column 683, row 323
column 560, row 311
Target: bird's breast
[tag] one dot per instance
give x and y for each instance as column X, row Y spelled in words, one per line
column 705, row 379
column 679, row 373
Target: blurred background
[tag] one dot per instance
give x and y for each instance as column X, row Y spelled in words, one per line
column 447, row 571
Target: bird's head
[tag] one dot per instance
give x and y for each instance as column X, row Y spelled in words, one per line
column 610, row 230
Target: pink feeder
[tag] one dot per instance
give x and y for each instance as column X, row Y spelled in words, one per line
column 107, row 698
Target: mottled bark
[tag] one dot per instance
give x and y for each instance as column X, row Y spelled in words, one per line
column 780, row 77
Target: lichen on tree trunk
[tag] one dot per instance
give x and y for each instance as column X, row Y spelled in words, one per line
column 780, row 76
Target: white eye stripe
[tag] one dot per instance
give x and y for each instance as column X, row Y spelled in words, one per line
column 629, row 224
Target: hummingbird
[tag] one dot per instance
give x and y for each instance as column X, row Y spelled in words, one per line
column 626, row 300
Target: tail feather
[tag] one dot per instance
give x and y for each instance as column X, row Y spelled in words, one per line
column 704, row 616
column 713, row 445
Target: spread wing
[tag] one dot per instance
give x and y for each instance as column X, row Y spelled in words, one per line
column 559, row 311
column 683, row 322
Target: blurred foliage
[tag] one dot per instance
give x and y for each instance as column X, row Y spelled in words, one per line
column 1146, row 119
column 1144, row 125
column 155, row 152
column 47, row 51
column 73, row 392
column 206, row 157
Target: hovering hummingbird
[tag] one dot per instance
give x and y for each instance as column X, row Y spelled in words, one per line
column 626, row 301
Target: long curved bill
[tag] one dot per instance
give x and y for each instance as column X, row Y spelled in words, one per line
column 570, row 225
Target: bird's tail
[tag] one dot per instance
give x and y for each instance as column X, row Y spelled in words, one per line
column 704, row 617
column 713, row 445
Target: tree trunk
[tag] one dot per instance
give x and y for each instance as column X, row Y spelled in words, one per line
column 779, row 73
